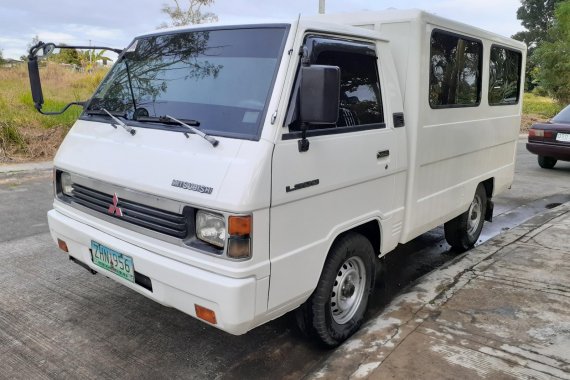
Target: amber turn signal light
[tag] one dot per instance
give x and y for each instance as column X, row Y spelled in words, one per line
column 239, row 225
column 205, row 314
column 62, row 245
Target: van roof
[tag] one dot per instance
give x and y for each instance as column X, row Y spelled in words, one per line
column 402, row 15
column 357, row 19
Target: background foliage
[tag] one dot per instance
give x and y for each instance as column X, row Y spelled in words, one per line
column 552, row 56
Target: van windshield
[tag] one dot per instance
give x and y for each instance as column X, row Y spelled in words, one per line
column 221, row 78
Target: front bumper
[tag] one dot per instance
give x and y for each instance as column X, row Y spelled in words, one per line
column 559, row 152
column 174, row 284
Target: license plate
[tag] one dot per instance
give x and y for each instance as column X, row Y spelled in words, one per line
column 113, row 261
column 563, row 137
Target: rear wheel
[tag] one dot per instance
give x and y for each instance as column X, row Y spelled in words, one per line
column 336, row 308
column 463, row 231
column 546, row 162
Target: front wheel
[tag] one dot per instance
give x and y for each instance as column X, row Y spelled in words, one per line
column 546, row 162
column 336, row 308
column 463, row 231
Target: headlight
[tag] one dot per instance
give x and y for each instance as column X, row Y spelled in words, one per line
column 211, row 228
column 66, row 184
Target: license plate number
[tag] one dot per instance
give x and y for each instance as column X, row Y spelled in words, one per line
column 113, row 261
column 563, row 137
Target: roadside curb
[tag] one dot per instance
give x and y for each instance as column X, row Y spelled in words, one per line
column 26, row 167
column 378, row 338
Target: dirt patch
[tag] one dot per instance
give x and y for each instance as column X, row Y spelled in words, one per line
column 34, row 144
column 528, row 120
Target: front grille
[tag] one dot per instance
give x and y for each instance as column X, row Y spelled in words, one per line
column 165, row 222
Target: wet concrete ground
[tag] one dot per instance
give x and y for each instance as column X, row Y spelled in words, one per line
column 58, row 321
column 500, row 311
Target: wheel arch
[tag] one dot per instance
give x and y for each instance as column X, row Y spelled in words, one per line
column 371, row 230
column 489, row 185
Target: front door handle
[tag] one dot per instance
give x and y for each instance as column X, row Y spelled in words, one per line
column 382, row 154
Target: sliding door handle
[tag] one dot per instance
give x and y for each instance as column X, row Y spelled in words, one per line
column 382, row 154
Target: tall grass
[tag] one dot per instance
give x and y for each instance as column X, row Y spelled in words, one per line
column 541, row 106
column 24, row 132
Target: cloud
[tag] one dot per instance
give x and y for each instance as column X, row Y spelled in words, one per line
column 46, row 35
column 95, row 32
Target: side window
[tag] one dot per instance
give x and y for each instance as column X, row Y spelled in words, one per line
column 455, row 70
column 360, row 95
column 360, row 98
column 504, row 76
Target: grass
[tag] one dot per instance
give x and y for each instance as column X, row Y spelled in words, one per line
column 540, row 106
column 537, row 109
column 25, row 134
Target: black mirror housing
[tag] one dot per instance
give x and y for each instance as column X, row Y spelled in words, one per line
column 35, row 83
column 42, row 50
column 319, row 94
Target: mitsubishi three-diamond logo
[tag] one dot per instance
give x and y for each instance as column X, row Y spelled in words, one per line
column 114, row 209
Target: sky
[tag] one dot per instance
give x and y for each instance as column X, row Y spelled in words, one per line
column 114, row 23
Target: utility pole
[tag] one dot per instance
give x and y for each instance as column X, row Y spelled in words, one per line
column 322, row 7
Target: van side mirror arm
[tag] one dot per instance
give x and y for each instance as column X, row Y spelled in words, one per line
column 303, row 144
column 34, row 72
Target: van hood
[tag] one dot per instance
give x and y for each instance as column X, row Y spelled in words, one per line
column 165, row 163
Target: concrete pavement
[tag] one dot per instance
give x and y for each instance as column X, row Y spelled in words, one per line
column 26, row 167
column 500, row 311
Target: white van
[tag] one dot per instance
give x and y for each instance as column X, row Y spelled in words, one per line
column 238, row 172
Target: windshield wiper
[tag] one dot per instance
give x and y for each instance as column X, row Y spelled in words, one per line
column 189, row 124
column 166, row 120
column 103, row 111
column 206, row 137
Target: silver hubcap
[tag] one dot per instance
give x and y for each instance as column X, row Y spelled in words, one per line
column 475, row 215
column 348, row 290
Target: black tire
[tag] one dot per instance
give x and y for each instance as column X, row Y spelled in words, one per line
column 546, row 162
column 463, row 231
column 351, row 257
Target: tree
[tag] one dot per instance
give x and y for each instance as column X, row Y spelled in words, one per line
column 1, row 56
column 191, row 15
column 88, row 58
column 553, row 56
column 69, row 56
column 537, row 17
column 35, row 40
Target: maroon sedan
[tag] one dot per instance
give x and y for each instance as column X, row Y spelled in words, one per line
column 551, row 141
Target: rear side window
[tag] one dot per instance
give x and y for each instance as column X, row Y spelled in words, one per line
column 455, row 70
column 563, row 116
column 504, row 76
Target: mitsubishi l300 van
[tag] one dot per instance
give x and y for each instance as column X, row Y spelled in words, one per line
column 238, row 172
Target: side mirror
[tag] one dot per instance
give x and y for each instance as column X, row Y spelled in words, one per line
column 37, row 52
column 319, row 94
column 42, row 50
column 319, row 97
column 45, row 50
column 35, row 83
